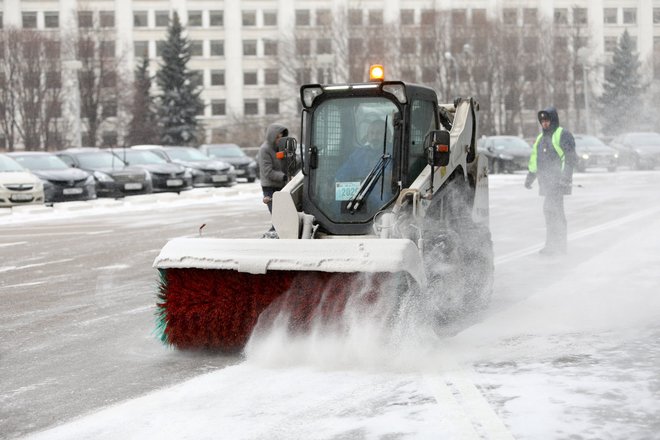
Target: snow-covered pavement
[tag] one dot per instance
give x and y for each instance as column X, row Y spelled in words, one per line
column 569, row 349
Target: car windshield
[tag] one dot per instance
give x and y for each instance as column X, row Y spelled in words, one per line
column 187, row 154
column 225, row 151
column 644, row 139
column 351, row 136
column 100, row 159
column 9, row 164
column 139, row 157
column 506, row 143
column 588, row 141
column 41, row 162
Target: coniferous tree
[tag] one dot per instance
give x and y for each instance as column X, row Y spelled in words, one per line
column 143, row 128
column 179, row 101
column 622, row 89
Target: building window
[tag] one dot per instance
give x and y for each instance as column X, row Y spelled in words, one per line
column 216, row 18
column 218, row 107
column 1, row 26
column 160, row 45
column 610, row 44
column 270, row 48
column 656, row 57
column 51, row 19
column 197, row 48
column 249, row 18
column 580, row 16
column 407, row 16
column 408, row 45
column 140, row 19
column 217, row 77
column 272, row 106
column 249, row 47
column 429, row 74
column 29, row 20
column 323, row 17
column 561, row 16
column 610, row 15
column 656, row 15
column 458, row 17
column 109, row 80
column 251, row 107
column 271, row 76
column 107, row 19
column 217, row 48
column 530, row 16
column 141, row 49
column 428, row 17
column 194, row 18
column 109, row 109
column 53, row 79
column 510, row 16
column 302, row 17
column 52, row 50
column 109, row 138
column 304, row 75
column 355, row 17
column 629, row 15
column 409, row 75
column 303, row 46
column 270, row 18
column 375, row 17
column 196, row 78
column 324, row 46
column 107, row 49
column 162, row 18
column 250, row 78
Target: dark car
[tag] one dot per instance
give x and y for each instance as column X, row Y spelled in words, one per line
column 639, row 150
column 593, row 153
column 505, row 153
column 113, row 177
column 61, row 182
column 205, row 171
column 165, row 176
column 233, row 154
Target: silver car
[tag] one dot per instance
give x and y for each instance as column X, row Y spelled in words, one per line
column 17, row 185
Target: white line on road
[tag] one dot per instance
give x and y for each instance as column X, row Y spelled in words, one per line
column 30, row 266
column 13, row 244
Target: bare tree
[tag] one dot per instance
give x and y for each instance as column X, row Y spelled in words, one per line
column 9, row 83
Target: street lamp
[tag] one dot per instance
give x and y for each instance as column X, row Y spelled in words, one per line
column 583, row 57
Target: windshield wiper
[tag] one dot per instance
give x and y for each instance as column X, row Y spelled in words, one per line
column 372, row 178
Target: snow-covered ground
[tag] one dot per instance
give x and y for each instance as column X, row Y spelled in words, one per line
column 570, row 348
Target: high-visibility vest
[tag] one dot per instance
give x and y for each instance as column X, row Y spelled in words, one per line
column 556, row 137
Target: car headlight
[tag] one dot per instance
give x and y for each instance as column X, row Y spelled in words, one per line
column 231, row 168
column 585, row 156
column 187, row 173
column 43, row 184
column 102, row 177
column 195, row 172
column 505, row 156
column 252, row 164
column 147, row 176
column 89, row 180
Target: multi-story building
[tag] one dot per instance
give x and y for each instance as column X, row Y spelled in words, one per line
column 243, row 69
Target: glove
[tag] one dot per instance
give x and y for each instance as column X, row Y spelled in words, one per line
column 529, row 180
column 565, row 181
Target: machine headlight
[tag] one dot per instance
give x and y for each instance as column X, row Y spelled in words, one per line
column 616, row 155
column 585, row 156
column 102, row 177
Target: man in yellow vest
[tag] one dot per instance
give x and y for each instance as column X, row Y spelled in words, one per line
column 552, row 160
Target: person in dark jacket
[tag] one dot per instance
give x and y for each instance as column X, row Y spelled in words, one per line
column 271, row 169
column 552, row 161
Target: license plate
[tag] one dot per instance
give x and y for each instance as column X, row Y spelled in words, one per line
column 219, row 178
column 346, row 190
column 240, row 172
column 21, row 197
column 174, row 182
column 130, row 186
column 70, row 191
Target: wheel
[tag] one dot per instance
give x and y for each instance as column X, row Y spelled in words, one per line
column 497, row 167
column 251, row 179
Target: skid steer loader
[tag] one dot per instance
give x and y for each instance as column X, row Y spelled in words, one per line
column 407, row 209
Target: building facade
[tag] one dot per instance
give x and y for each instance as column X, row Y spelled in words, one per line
column 241, row 62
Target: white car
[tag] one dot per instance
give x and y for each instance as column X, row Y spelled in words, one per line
column 17, row 185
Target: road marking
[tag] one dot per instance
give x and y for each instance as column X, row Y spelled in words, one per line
column 30, row 266
column 506, row 258
column 13, row 244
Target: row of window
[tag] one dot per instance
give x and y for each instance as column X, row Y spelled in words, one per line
column 323, row 17
column 214, row 78
column 251, row 107
column 208, row 48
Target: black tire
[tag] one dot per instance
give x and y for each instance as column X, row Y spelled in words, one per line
column 497, row 167
column 251, row 179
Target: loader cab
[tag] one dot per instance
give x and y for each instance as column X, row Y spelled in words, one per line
column 363, row 144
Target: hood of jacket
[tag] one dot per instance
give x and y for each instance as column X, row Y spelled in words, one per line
column 551, row 113
column 272, row 131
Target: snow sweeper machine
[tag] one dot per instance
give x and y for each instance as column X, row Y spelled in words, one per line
column 388, row 193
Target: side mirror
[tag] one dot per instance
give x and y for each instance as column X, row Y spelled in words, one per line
column 437, row 148
column 286, row 150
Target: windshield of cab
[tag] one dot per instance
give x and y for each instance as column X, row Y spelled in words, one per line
column 351, row 136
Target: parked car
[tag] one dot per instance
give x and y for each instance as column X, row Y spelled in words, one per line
column 505, row 154
column 593, row 153
column 18, row 186
column 233, row 154
column 61, row 182
column 205, row 170
column 113, row 177
column 165, row 176
column 640, row 150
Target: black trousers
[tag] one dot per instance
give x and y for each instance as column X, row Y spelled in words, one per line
column 555, row 222
column 268, row 192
